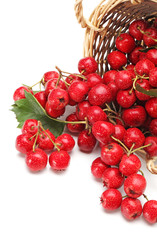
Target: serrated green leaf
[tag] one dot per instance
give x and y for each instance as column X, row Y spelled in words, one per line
column 151, row 92
column 30, row 108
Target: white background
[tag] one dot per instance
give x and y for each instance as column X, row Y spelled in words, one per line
column 35, row 36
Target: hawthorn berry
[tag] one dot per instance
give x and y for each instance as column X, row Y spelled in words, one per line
column 144, row 84
column 65, row 142
column 82, row 109
column 125, row 43
column 129, row 164
column 152, row 56
column 87, row 65
column 45, row 140
column 131, row 208
column 109, row 76
column 95, row 114
column 119, row 132
column 93, row 79
column 58, row 98
column 76, row 127
column 135, row 27
column 151, row 107
column 153, row 127
column 111, row 199
column 133, row 136
column 24, row 143
column 150, row 211
column 78, row 91
column 30, row 126
column 134, row 56
column 20, row 93
column 152, row 32
column 152, row 149
column 53, row 112
column 116, row 59
column 41, row 98
column 153, row 77
column 134, row 116
column 49, row 76
column 59, row 160
column 143, row 67
column 98, row 167
column 52, row 84
column 112, row 178
column 86, row 141
column 126, row 98
column 124, row 79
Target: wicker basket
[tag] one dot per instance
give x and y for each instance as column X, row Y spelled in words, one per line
column 105, row 23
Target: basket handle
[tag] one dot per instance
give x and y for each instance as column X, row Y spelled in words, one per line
column 108, row 6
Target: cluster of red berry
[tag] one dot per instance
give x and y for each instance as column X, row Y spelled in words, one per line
column 109, row 110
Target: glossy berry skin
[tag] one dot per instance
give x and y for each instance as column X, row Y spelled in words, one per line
column 74, row 128
column 143, row 67
column 53, row 112
column 86, row 141
column 20, row 93
column 133, row 136
column 126, row 98
column 24, row 143
column 109, row 76
column 134, row 116
column 114, row 89
column 82, row 109
column 30, row 126
column 112, row 178
column 116, row 59
column 150, row 211
column 153, row 127
column 93, row 79
column 51, row 85
column 44, row 141
column 88, row 65
column 36, row 160
column 78, row 91
column 65, row 142
column 71, row 78
column 153, row 77
column 152, row 32
column 41, row 98
column 124, row 79
column 103, row 131
column 59, row 160
column 99, row 95
column 134, row 185
column 112, row 153
column 151, row 107
column 125, row 43
column 152, row 56
column 129, row 164
column 152, row 149
column 50, row 76
column 111, row 199
column 58, row 98
column 131, row 208
column 119, row 132
column 134, row 56
column 134, row 31
column 95, row 114
column 144, row 84
column 98, row 167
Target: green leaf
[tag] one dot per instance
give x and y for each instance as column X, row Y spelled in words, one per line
column 30, row 108
column 151, row 92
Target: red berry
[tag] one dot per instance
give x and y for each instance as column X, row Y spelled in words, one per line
column 134, row 29
column 130, row 68
column 143, row 67
column 126, row 98
column 134, row 116
column 53, row 112
column 129, row 164
column 36, row 160
column 152, row 32
column 116, row 59
column 153, row 77
column 111, row 199
column 20, row 93
column 78, row 91
column 99, row 95
column 150, row 211
column 111, row 154
column 87, row 65
column 44, row 141
column 152, row 149
column 134, row 185
column 124, row 79
column 119, row 132
column 112, row 178
column 65, row 142
column 95, row 114
column 144, row 84
column 50, row 76
column 41, row 98
column 131, row 208
column 58, row 98
column 74, row 128
column 151, row 107
column 51, row 85
column 71, row 78
column 24, row 143
column 86, row 141
column 59, row 160
column 125, row 43
column 82, row 109
column 133, row 136
column 98, row 167
column 109, row 76
column 152, row 56
column 153, row 127
column 113, row 89
column 30, row 126
column 93, row 79
column 103, row 131
column 134, row 56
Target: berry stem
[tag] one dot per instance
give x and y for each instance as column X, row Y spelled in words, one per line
column 146, row 33
column 117, row 140
column 141, row 172
column 35, row 84
column 131, row 149
column 77, row 75
column 137, row 149
column 145, row 197
column 36, row 138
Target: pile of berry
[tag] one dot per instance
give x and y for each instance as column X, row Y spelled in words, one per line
column 119, row 111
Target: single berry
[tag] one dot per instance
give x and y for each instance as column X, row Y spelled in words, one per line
column 65, row 142
column 36, row 160
column 95, row 114
column 119, row 132
column 133, row 136
column 126, row 98
column 58, row 98
column 24, row 143
column 116, row 59
column 50, row 76
column 30, row 126
column 134, row 56
column 99, row 95
column 144, row 84
column 112, row 178
column 111, row 199
column 59, row 160
column 143, row 67
column 151, row 107
column 152, row 56
column 82, row 109
column 86, row 141
column 152, row 32
column 131, row 208
column 78, row 91
column 109, row 76
column 98, row 167
column 41, row 98
column 153, row 77
column 129, row 164
column 125, row 43
column 20, row 93
column 124, row 79
column 134, row 116
column 44, row 140
column 152, row 149
column 113, row 89
column 52, row 84
column 135, row 27
column 93, row 79
column 153, row 127
column 150, row 211
column 74, row 127
column 53, row 112
column 87, row 65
